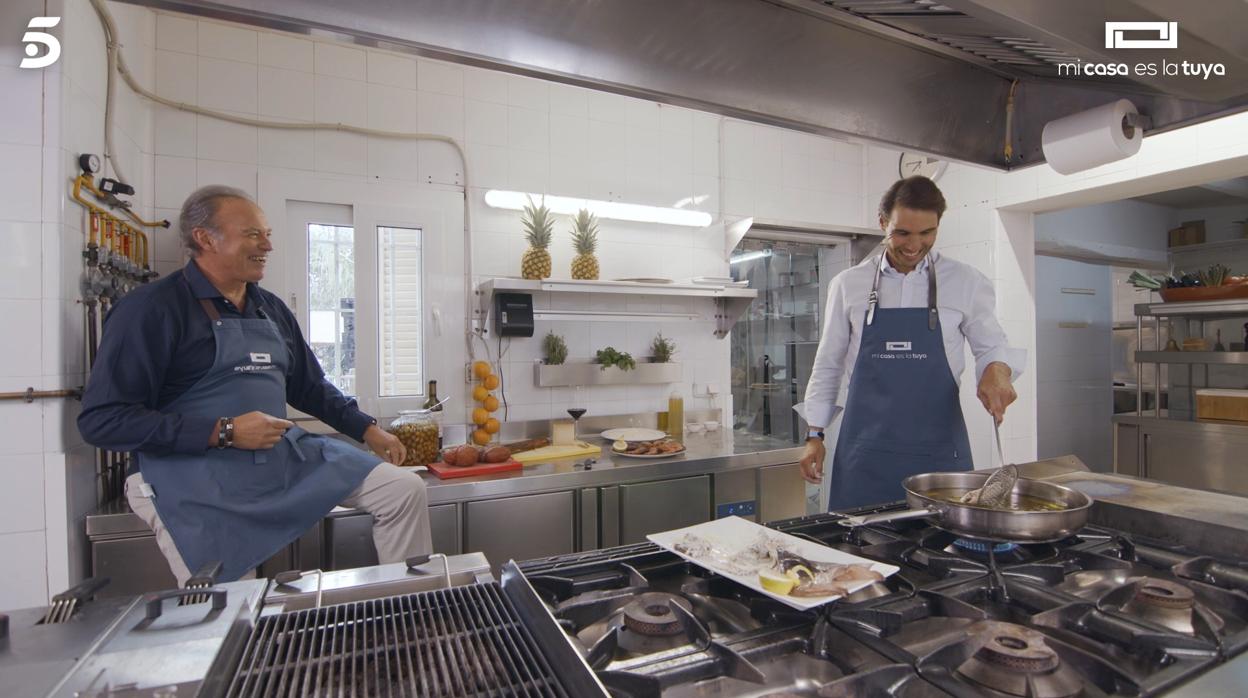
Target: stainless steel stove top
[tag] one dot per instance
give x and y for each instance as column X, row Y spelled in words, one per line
column 1099, row 614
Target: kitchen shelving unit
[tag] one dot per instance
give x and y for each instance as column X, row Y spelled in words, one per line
column 1195, row 314
column 1204, row 454
column 730, row 301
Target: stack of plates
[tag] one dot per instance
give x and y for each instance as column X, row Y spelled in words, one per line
column 633, row 434
column 718, row 281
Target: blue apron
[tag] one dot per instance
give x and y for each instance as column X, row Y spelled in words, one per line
column 236, row 506
column 903, row 415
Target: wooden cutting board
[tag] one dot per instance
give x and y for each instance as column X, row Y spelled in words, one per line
column 549, row 453
column 446, row 472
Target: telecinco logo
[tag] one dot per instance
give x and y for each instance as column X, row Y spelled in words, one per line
column 1167, row 34
column 34, row 39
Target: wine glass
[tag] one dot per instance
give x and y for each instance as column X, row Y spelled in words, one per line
column 576, row 412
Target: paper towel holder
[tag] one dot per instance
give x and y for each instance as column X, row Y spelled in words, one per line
column 1137, row 120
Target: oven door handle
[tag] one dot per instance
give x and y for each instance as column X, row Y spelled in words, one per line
column 155, row 601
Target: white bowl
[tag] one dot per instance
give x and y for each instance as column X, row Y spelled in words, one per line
column 711, row 426
column 695, row 427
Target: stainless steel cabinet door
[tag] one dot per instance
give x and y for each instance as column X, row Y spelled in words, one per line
column 1127, row 449
column 134, row 566
column 521, row 528
column 651, row 507
column 781, row 493
column 1195, row 461
column 444, row 520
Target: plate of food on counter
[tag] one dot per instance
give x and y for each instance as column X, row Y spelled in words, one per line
column 794, row 571
column 659, row 448
column 632, row 434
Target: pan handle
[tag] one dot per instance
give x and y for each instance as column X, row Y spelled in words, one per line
column 856, row 521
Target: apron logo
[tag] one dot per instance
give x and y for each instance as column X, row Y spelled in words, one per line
column 257, row 358
column 896, row 346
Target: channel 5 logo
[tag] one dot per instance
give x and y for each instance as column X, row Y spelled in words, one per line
column 34, row 39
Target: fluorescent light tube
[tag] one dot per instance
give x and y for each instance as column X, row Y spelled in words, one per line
column 566, row 205
column 749, row 256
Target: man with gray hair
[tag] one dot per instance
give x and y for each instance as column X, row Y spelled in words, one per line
column 193, row 376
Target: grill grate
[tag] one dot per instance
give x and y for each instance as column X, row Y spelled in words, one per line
column 449, row 642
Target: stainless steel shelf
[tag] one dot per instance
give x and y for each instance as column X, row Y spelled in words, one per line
column 1192, row 357
column 1229, row 308
column 730, row 301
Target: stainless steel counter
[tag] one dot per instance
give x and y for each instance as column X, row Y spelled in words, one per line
column 713, row 452
column 720, row 451
column 1214, row 522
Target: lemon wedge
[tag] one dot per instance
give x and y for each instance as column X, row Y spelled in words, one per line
column 620, row 445
column 776, row 584
column 798, row 571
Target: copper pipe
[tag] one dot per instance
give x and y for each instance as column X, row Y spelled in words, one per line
column 94, row 219
column 84, row 180
column 30, row 394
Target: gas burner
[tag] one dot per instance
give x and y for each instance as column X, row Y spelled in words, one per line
column 1168, row 604
column 982, row 547
column 648, row 624
column 651, row 614
column 1017, row 661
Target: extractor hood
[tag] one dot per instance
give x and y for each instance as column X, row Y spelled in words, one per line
column 931, row 76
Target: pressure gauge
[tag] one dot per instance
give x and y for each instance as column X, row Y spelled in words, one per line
column 89, row 163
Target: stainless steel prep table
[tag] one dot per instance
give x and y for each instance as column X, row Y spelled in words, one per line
column 544, row 509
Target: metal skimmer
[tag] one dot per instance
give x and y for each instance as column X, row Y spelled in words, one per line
column 450, row 642
column 1000, row 483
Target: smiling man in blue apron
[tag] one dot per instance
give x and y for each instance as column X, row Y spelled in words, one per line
column 894, row 331
column 193, row 375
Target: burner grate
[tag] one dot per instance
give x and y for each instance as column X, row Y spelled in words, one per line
column 460, row 641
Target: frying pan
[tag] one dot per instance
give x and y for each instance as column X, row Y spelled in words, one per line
column 988, row 524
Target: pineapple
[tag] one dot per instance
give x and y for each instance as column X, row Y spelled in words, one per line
column 585, row 238
column 535, row 264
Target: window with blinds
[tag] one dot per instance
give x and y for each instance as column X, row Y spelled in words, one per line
column 400, row 312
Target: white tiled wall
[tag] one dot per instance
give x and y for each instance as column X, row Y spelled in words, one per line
column 519, row 133
column 52, row 115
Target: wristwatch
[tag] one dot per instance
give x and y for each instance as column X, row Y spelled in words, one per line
column 814, row 433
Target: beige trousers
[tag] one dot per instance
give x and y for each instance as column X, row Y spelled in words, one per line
column 395, row 497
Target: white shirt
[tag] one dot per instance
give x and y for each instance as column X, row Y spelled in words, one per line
column 966, row 304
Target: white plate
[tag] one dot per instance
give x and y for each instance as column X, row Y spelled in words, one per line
column 735, row 533
column 633, row 434
column 646, row 455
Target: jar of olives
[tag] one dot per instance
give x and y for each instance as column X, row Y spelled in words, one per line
column 418, row 430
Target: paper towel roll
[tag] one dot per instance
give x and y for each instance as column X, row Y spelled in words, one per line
column 1091, row 138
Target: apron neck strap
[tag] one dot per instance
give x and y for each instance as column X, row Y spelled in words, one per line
column 873, row 299
column 210, row 309
column 932, row 317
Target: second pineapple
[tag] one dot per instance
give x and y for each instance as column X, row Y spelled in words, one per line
column 585, row 239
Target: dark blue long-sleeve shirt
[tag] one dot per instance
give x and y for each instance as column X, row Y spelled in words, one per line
column 158, row 342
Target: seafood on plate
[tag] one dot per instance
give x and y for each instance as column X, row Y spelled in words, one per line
column 649, row 448
column 779, row 569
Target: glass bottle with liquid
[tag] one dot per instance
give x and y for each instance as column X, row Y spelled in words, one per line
column 435, row 410
column 676, row 416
